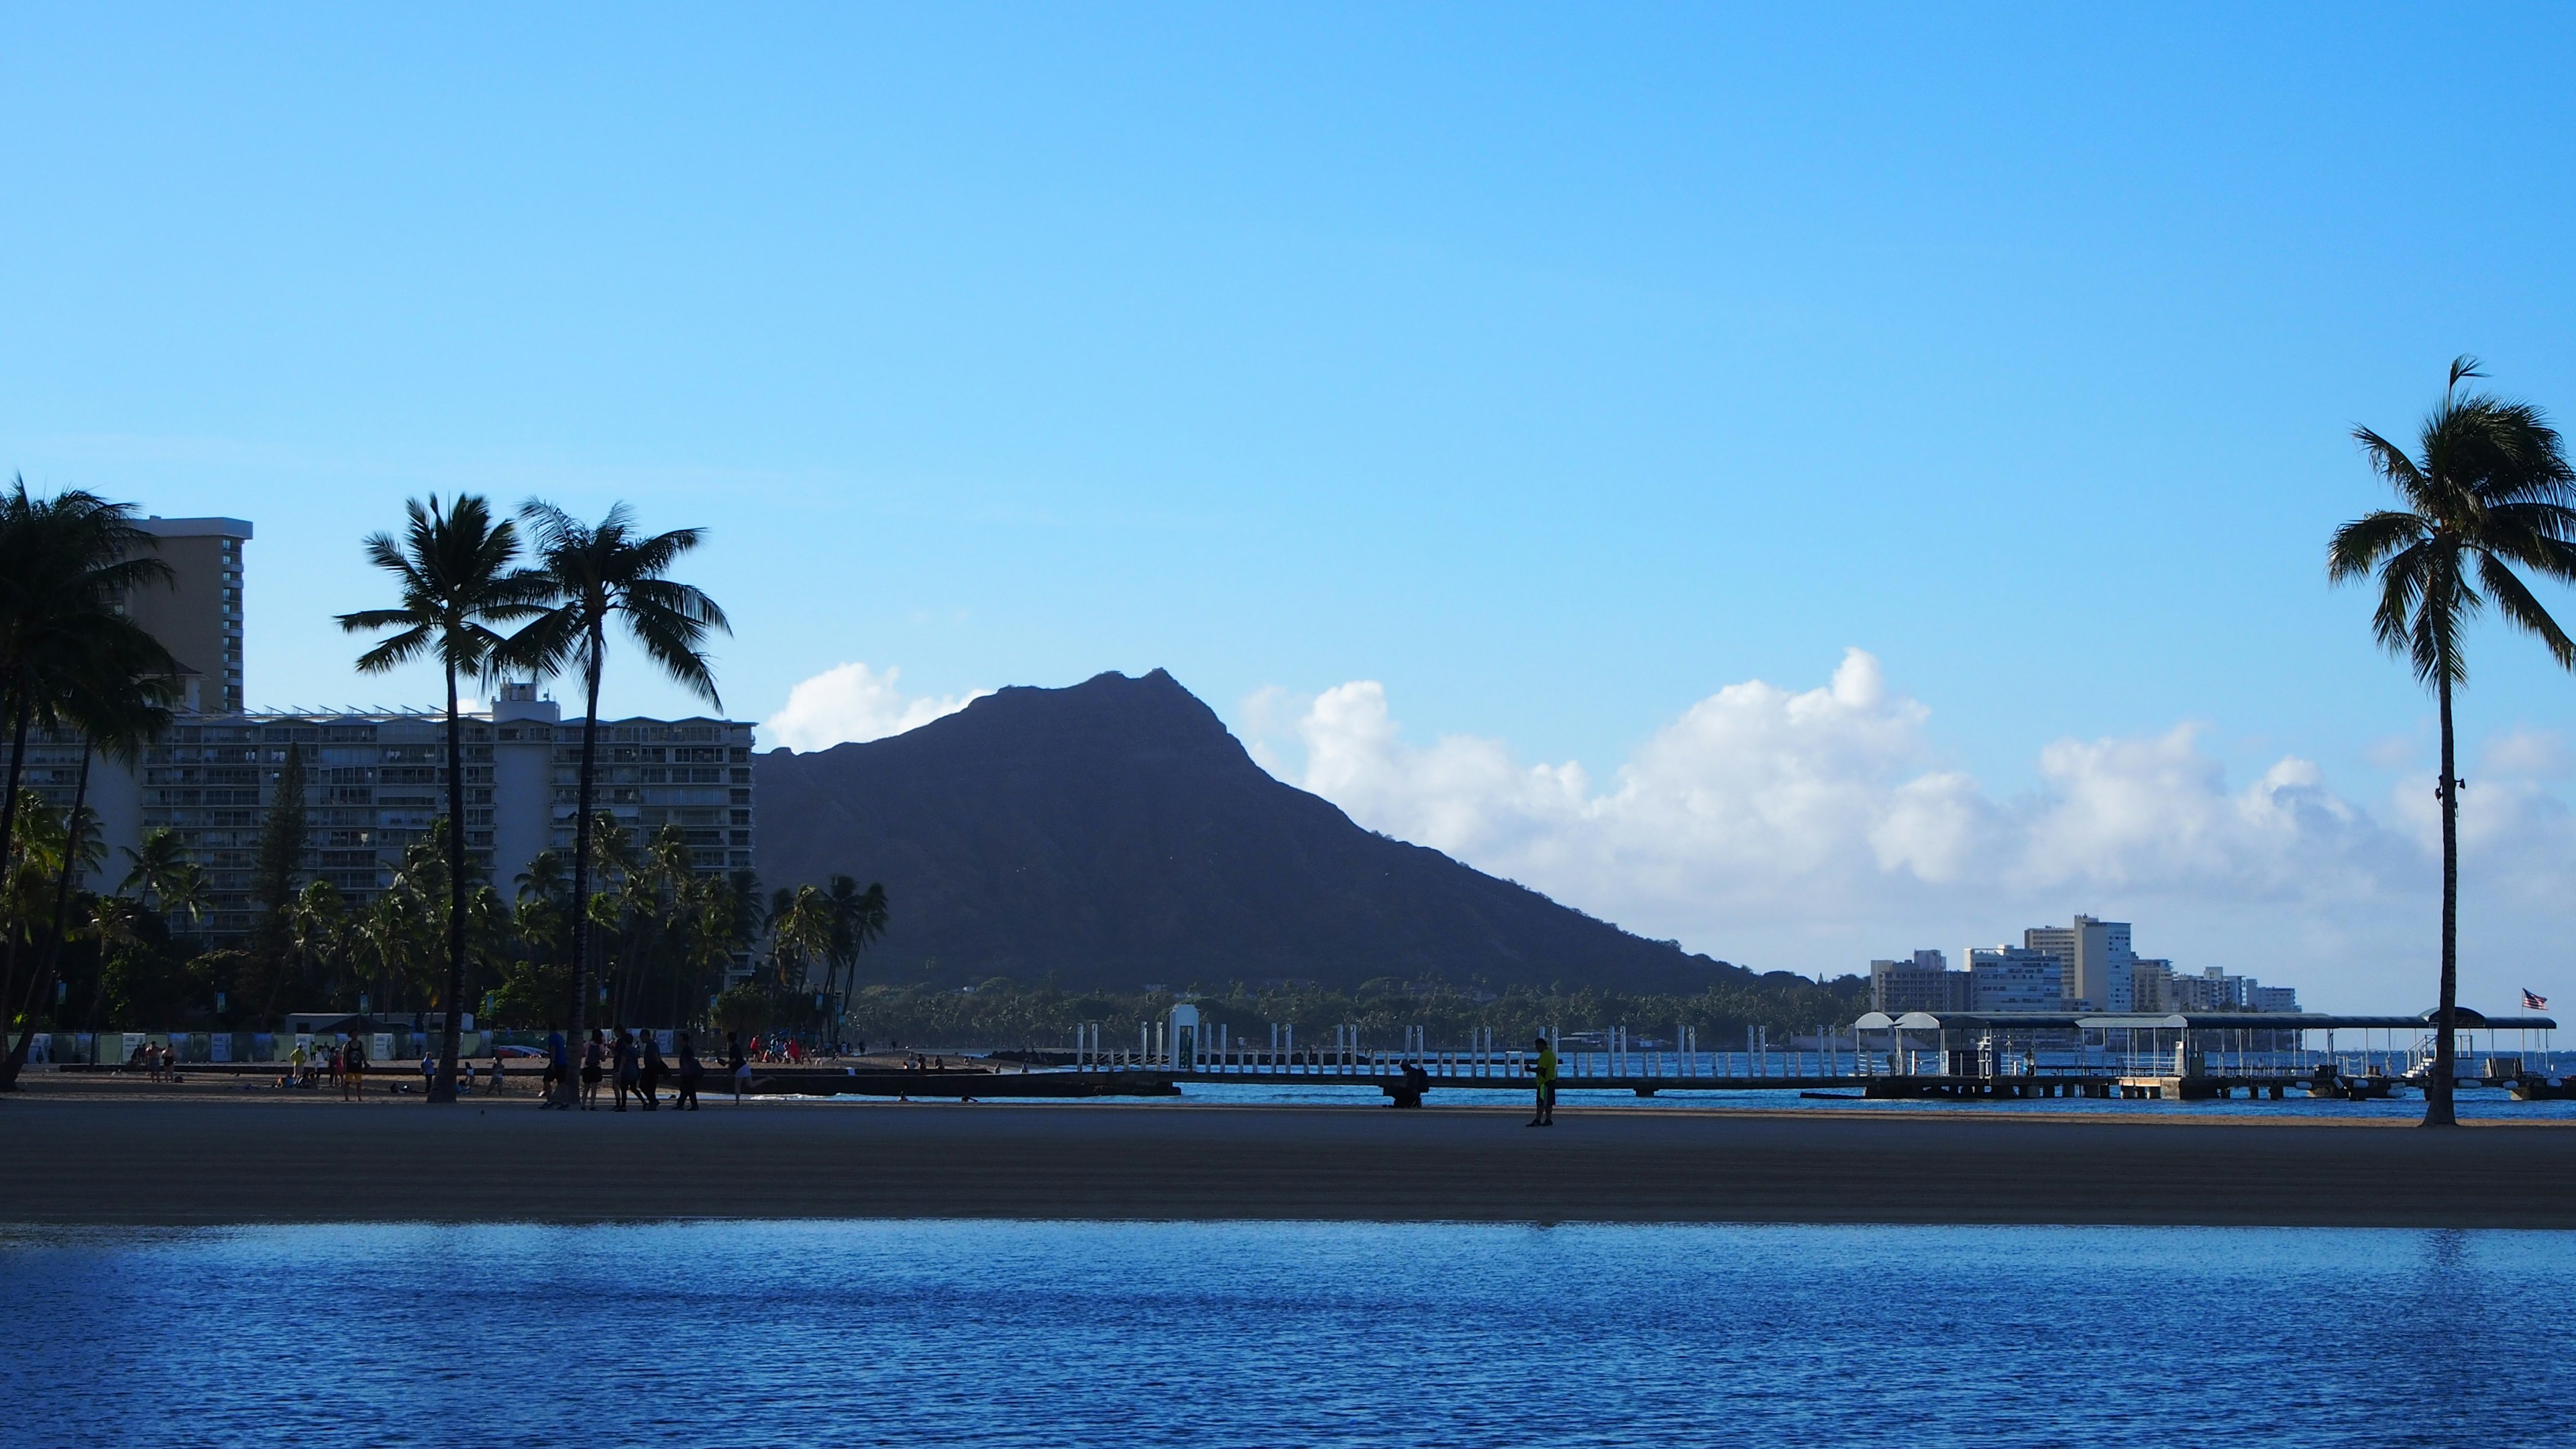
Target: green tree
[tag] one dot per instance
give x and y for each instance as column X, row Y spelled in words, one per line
column 315, row 923
column 454, row 571
column 67, row 565
column 115, row 714
column 858, row 919
column 2487, row 489
column 603, row 574
column 800, row 933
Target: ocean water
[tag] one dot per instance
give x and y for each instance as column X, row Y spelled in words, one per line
column 1072, row 1334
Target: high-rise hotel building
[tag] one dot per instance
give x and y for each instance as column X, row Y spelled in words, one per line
column 373, row 781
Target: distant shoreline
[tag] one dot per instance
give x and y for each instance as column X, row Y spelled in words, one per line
column 202, row 1159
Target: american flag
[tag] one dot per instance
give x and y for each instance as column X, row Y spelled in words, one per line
column 2532, row 1001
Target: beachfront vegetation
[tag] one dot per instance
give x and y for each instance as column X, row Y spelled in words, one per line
column 2487, row 489
column 70, row 657
column 603, row 574
column 456, row 571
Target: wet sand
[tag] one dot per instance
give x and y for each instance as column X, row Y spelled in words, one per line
column 128, row 1154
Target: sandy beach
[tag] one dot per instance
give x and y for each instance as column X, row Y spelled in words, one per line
column 88, row 1153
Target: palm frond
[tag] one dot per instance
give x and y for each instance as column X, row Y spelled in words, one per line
column 2361, row 545
column 2514, row 600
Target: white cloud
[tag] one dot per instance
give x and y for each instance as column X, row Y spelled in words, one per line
column 1813, row 829
column 852, row 702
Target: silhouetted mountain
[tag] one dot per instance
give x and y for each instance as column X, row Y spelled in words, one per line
column 1115, row 833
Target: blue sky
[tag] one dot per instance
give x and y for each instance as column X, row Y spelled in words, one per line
column 1554, row 369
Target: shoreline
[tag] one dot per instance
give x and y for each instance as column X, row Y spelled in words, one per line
column 208, row 1160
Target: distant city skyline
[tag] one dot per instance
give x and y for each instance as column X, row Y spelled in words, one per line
column 1781, row 482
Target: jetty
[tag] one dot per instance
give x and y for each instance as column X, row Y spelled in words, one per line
column 1962, row 1056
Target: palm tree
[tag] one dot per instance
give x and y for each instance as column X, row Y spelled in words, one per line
column 601, row 573
column 800, row 929
column 2488, row 488
column 67, row 565
column 117, row 714
column 858, row 919
column 454, row 570
column 313, row 925
column 155, row 863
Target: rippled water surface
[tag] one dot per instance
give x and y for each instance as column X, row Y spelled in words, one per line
column 925, row 1334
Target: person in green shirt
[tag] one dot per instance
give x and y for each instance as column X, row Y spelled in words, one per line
column 1544, row 1072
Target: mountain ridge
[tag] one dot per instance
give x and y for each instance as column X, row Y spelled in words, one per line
column 1114, row 832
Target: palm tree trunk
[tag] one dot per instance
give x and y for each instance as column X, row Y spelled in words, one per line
column 8, row 839
column 2438, row 1089
column 442, row 1088
column 17, row 767
column 569, row 1087
column 36, row 989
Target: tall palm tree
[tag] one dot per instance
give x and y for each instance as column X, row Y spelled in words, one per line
column 2488, row 488
column 800, row 931
column 313, row 923
column 454, row 569
column 602, row 574
column 858, row 919
column 116, row 714
column 67, row 565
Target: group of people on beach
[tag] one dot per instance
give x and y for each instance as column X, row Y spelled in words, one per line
column 344, row 1069
column 633, row 1065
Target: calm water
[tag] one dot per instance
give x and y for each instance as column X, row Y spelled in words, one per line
column 933, row 1334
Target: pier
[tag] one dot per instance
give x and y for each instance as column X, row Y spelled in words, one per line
column 1957, row 1056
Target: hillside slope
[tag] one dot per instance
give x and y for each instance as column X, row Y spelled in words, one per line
column 1114, row 833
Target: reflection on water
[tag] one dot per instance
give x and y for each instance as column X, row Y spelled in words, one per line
column 1268, row 1334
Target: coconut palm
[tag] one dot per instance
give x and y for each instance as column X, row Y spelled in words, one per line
column 67, row 565
column 858, row 919
column 603, row 574
column 800, row 931
column 116, row 714
column 153, row 864
column 2487, row 489
column 454, row 569
column 314, row 922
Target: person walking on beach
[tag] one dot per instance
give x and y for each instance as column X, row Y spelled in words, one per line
column 558, row 1089
column 690, row 1070
column 594, row 1055
column 625, row 1064
column 1543, row 1075
column 736, row 1063
column 654, row 1067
